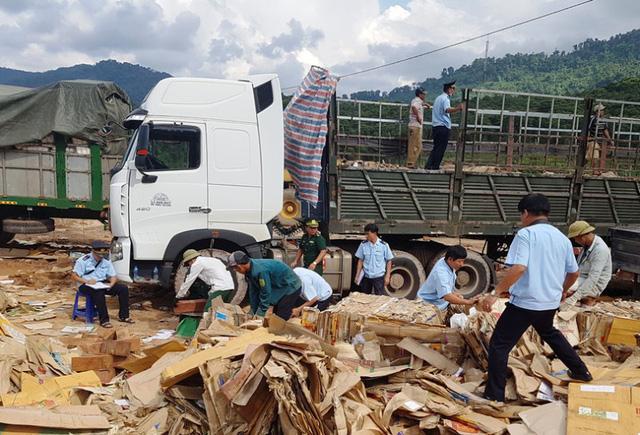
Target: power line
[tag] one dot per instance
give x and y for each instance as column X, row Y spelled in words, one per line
column 455, row 44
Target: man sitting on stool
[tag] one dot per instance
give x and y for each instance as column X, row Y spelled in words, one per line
column 207, row 278
column 316, row 292
column 93, row 269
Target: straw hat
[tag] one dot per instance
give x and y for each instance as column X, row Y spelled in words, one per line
column 579, row 228
column 598, row 107
column 190, row 254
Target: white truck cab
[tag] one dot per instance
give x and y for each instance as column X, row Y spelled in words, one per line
column 205, row 163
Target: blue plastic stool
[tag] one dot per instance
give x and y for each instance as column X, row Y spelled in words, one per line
column 88, row 312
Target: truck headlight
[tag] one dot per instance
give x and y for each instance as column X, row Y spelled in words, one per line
column 116, row 250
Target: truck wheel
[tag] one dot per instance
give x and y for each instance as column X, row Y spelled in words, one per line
column 407, row 274
column 473, row 278
column 27, row 226
column 5, row 237
column 238, row 279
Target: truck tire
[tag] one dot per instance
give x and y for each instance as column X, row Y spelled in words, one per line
column 238, row 279
column 27, row 226
column 407, row 274
column 6, row 237
column 474, row 277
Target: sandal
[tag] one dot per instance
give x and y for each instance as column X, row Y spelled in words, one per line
column 127, row 320
column 106, row 325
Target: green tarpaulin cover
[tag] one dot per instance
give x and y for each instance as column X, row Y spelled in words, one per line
column 74, row 108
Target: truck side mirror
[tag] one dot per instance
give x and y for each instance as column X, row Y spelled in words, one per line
column 142, row 154
column 142, row 147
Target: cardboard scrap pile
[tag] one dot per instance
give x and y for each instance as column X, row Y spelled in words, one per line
column 387, row 366
column 381, row 314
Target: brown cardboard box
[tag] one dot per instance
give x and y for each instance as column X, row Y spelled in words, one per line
column 635, row 409
column 601, row 409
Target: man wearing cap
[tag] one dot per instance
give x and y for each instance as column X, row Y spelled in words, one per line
column 316, row 292
column 594, row 263
column 207, row 278
column 541, row 268
column 441, row 124
column 598, row 134
column 271, row 283
column 414, row 147
column 97, row 277
column 312, row 248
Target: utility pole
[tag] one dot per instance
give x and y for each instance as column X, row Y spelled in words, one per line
column 484, row 65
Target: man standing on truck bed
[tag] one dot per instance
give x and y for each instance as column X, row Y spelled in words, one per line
column 543, row 267
column 374, row 262
column 416, row 118
column 312, row 248
column 598, row 135
column 271, row 283
column 439, row 287
column 441, row 124
column 98, row 277
column 594, row 263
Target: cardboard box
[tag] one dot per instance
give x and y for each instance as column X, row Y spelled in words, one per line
column 602, row 409
column 623, row 331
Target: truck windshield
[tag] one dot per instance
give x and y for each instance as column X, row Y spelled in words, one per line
column 127, row 154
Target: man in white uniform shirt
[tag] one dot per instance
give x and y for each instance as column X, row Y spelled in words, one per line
column 316, row 292
column 207, row 278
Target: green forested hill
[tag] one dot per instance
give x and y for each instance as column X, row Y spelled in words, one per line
column 136, row 80
column 591, row 64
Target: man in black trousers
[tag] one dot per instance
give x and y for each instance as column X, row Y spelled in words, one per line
column 97, row 278
column 441, row 124
column 543, row 268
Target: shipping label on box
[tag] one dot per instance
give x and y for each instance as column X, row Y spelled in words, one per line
column 601, row 409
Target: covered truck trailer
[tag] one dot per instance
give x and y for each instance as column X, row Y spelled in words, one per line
column 58, row 144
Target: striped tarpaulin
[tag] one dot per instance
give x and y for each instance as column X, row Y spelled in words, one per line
column 305, row 131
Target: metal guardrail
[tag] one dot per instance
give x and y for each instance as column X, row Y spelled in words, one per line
column 515, row 130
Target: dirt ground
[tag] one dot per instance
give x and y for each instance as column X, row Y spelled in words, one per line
column 40, row 280
column 36, row 271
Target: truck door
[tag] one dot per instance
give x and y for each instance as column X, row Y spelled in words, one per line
column 235, row 174
column 172, row 197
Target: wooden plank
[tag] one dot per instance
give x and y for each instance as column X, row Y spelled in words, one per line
column 92, row 347
column 623, row 331
column 190, row 306
column 116, row 347
column 91, row 362
column 236, row 346
column 106, row 333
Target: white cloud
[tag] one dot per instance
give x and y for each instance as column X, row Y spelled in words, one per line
column 232, row 38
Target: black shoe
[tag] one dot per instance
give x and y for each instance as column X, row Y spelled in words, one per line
column 582, row 377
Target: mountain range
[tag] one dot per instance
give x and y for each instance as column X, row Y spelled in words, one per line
column 136, row 80
column 593, row 66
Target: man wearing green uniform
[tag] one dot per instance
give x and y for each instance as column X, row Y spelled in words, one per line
column 271, row 283
column 312, row 249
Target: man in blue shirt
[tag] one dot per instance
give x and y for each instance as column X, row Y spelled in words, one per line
column 271, row 283
column 543, row 268
column 374, row 262
column 439, row 287
column 98, row 278
column 441, row 124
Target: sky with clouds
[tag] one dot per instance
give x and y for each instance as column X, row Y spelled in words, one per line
column 232, row 38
